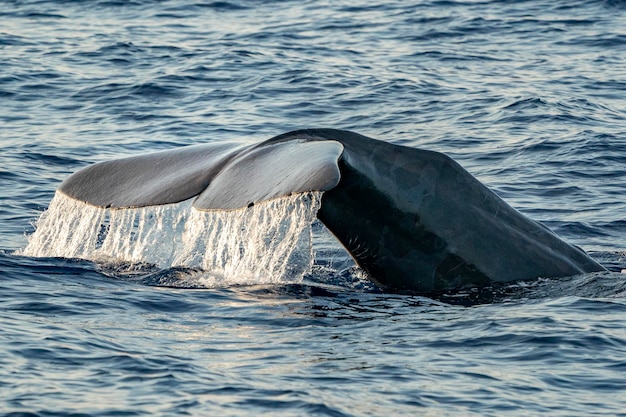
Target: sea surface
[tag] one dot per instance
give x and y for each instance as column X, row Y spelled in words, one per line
column 529, row 96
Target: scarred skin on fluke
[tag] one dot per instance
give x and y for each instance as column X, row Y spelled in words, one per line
column 413, row 219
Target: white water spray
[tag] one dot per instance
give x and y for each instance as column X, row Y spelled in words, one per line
column 266, row 243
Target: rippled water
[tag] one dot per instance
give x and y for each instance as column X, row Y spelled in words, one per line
column 529, row 96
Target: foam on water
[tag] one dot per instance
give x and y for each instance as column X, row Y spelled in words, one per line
column 265, row 243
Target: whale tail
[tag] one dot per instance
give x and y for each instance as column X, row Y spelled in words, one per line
column 413, row 219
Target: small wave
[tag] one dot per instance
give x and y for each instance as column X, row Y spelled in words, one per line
column 117, row 92
column 51, row 159
column 526, row 103
column 43, row 15
column 598, row 41
column 7, row 39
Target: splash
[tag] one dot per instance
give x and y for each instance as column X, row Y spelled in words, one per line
column 266, row 243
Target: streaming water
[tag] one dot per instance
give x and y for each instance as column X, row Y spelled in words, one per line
column 269, row 242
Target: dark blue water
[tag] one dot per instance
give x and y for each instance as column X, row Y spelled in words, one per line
column 529, row 96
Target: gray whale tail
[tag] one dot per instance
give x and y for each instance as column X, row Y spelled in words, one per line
column 413, row 219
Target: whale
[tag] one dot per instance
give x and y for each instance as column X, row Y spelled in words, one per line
column 414, row 220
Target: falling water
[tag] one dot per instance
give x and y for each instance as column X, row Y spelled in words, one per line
column 267, row 242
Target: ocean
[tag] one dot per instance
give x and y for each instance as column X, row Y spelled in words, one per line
column 528, row 96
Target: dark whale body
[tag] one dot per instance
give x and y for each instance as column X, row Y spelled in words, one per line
column 413, row 219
